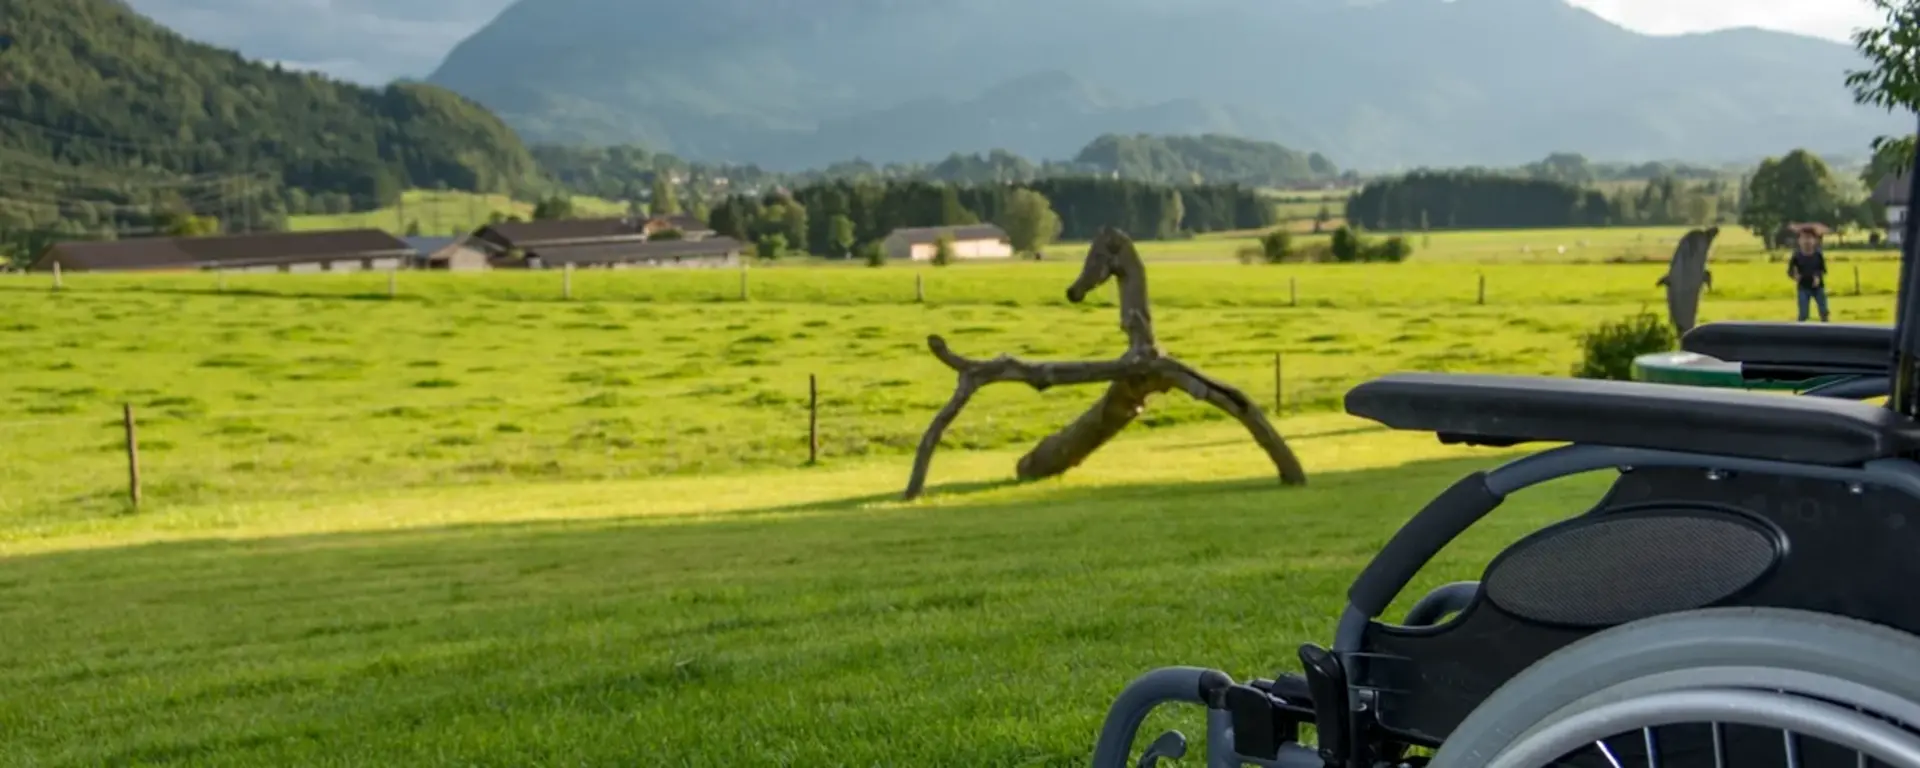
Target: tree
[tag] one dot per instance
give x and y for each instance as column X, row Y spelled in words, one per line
column 181, row 224
column 413, row 228
column 1029, row 221
column 1345, row 245
column 1321, row 218
column 665, row 203
column 872, row 253
column 943, row 249
column 1890, row 79
column 1795, row 188
column 840, row 235
column 552, row 208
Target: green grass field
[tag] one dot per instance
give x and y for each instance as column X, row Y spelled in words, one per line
column 442, row 213
column 480, row 525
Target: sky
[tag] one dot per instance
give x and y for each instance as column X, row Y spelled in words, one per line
column 1831, row 19
column 375, row 41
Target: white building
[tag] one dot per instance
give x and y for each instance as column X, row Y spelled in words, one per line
column 975, row 241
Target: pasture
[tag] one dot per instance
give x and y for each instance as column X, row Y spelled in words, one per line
column 442, row 213
column 478, row 524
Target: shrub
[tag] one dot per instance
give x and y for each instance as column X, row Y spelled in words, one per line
column 1276, row 246
column 1314, row 253
column 1392, row 250
column 943, row 250
column 770, row 247
column 873, row 254
column 1345, row 244
column 1607, row 352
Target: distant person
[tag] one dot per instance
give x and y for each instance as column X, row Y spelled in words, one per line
column 1808, row 268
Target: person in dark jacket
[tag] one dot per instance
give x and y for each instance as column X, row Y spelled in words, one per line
column 1808, row 268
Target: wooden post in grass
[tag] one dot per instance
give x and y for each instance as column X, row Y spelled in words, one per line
column 133, row 456
column 1856, row 279
column 1483, row 288
column 56, row 275
column 221, row 276
column 1279, row 398
column 813, row 419
column 745, row 295
column 393, row 282
column 566, row 281
column 1293, row 292
column 919, row 288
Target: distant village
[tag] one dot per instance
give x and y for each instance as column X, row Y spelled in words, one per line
column 677, row 240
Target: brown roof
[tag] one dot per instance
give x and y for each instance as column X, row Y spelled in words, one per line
column 221, row 250
column 526, row 235
column 630, row 251
column 921, row 235
column 1892, row 189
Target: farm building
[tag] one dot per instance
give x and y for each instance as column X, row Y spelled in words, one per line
column 336, row 251
column 977, row 241
column 456, row 254
column 1892, row 193
column 623, row 254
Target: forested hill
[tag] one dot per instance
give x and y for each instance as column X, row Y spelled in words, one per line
column 105, row 117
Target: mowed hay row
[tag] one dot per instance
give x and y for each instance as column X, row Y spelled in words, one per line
column 1028, row 284
column 243, row 397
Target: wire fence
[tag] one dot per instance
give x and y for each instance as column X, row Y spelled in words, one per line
column 1175, row 285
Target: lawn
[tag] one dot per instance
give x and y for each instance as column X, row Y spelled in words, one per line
column 480, row 525
column 442, row 213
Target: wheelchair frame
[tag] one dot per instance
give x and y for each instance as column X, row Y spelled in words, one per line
column 1820, row 443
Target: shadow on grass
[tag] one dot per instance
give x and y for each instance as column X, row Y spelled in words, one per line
column 984, row 632
column 250, row 293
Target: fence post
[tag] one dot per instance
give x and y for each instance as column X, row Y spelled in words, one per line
column 745, row 294
column 1856, row 279
column 813, row 419
column 566, row 281
column 133, row 456
column 1279, row 399
column 56, row 276
column 1293, row 292
column 221, row 274
column 1483, row 288
column 919, row 288
column 393, row 282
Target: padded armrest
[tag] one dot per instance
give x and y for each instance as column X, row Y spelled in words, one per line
column 1509, row 410
column 1842, row 346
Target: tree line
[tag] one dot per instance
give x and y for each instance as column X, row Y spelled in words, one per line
column 832, row 218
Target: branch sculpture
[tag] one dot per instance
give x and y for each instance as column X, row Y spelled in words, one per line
column 1686, row 274
column 1140, row 372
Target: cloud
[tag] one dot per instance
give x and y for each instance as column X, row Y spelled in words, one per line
column 1831, row 19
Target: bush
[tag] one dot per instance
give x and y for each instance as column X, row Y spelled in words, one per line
column 1392, row 250
column 771, row 247
column 873, row 254
column 1345, row 244
column 943, row 250
column 1607, row 352
column 1314, row 253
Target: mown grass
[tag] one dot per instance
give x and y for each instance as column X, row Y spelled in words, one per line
column 479, row 525
column 442, row 213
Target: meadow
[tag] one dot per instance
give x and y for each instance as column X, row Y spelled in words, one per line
column 479, row 524
column 442, row 213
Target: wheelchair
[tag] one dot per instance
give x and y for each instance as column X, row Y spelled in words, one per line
column 1744, row 594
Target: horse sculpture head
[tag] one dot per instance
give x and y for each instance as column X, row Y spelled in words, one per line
column 1103, row 262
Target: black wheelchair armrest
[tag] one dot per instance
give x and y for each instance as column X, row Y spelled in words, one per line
column 1795, row 351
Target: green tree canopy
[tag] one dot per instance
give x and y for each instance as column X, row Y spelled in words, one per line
column 1029, row 221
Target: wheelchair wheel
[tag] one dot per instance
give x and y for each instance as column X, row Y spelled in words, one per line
column 1726, row 687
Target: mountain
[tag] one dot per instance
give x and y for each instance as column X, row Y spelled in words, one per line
column 105, row 117
column 1379, row 85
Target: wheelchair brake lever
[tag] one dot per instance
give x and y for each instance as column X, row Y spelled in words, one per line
column 1171, row 745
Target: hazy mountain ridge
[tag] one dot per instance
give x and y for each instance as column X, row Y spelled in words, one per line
column 1398, row 83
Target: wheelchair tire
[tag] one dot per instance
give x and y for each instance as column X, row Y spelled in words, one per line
column 1832, row 658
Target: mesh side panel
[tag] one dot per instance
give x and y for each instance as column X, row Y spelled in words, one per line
column 1610, row 572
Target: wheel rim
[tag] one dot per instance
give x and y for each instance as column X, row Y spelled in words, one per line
column 1865, row 734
